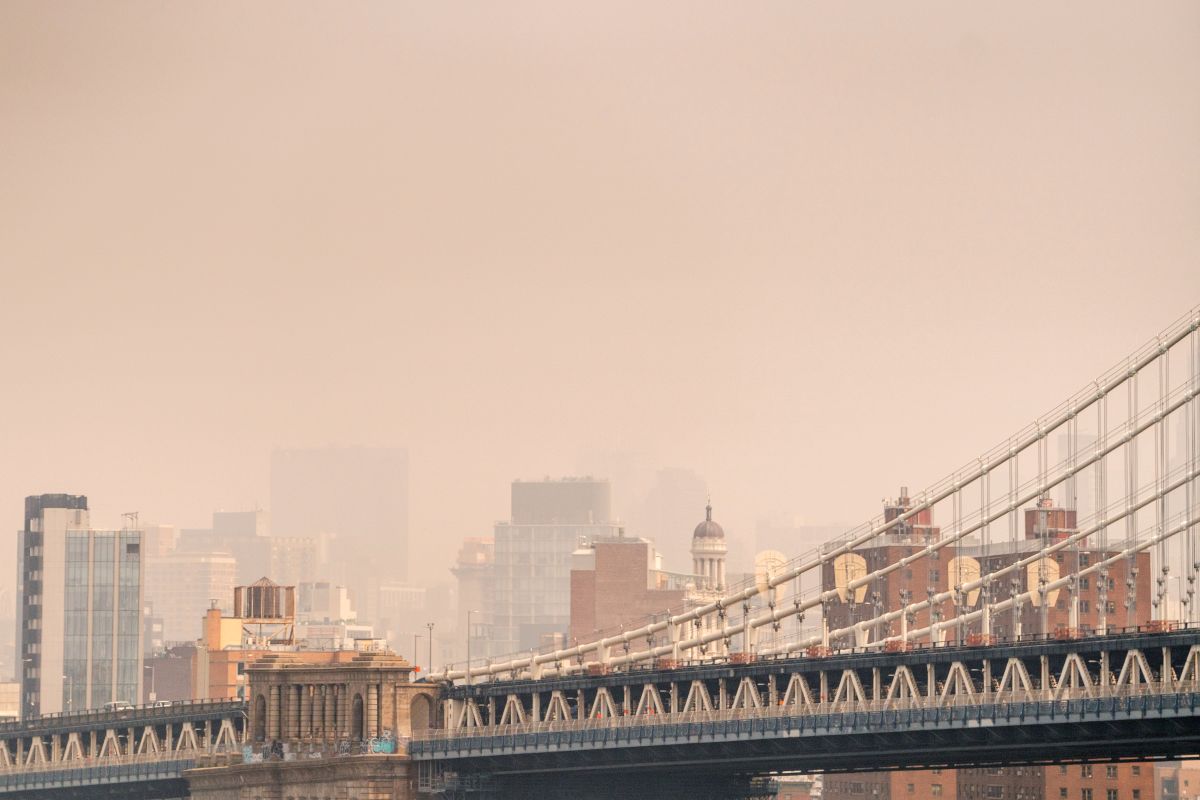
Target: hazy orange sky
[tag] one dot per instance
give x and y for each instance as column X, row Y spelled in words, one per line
column 810, row 251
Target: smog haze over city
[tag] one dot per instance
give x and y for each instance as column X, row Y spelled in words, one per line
column 788, row 255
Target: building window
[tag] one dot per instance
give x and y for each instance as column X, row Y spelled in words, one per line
column 1111, row 794
column 1085, row 794
column 1085, row 583
column 911, row 789
column 1085, row 606
column 1136, row 769
column 1110, row 771
column 1062, row 792
column 1137, row 794
column 1085, row 770
column 935, row 789
column 994, row 792
column 1062, row 769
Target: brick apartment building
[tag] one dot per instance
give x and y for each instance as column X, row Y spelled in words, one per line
column 615, row 581
column 620, row 580
column 914, row 583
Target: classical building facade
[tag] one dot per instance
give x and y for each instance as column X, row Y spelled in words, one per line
column 325, row 731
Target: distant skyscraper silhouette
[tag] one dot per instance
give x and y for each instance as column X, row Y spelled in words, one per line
column 358, row 494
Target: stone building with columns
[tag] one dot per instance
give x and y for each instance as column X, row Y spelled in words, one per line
column 708, row 553
column 322, row 731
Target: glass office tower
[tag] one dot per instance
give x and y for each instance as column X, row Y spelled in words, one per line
column 80, row 609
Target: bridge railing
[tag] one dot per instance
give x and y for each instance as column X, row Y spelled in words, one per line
column 1000, row 703
column 1025, row 476
column 149, row 711
column 107, row 761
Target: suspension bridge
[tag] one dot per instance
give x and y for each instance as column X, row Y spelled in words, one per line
column 1051, row 617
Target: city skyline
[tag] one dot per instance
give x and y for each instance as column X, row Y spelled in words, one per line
column 794, row 209
column 678, row 401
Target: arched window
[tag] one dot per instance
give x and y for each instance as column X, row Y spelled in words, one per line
column 421, row 713
column 260, row 718
column 357, row 720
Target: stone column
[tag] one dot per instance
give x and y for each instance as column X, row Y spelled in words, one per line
column 274, row 714
column 305, row 711
column 371, row 712
column 343, row 710
column 294, row 711
column 330, row 712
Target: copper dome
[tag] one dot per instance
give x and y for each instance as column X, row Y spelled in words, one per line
column 708, row 529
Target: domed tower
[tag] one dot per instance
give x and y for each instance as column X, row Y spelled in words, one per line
column 708, row 552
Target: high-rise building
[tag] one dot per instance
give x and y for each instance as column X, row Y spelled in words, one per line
column 183, row 585
column 474, row 568
column 531, row 583
column 667, row 507
column 357, row 494
column 243, row 534
column 80, row 609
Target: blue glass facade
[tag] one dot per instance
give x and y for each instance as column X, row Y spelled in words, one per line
column 75, row 639
column 102, row 625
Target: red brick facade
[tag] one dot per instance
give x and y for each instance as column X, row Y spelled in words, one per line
column 1076, row 782
column 620, row 587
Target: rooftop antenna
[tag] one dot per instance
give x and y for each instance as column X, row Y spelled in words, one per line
column 131, row 520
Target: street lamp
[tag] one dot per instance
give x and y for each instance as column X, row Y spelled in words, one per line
column 469, row 613
column 429, row 625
